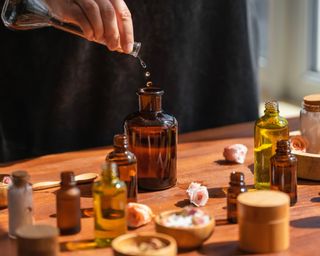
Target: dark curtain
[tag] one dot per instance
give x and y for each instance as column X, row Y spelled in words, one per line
column 60, row 92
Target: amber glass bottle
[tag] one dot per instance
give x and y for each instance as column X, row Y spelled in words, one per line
column 237, row 186
column 109, row 204
column 127, row 165
column 283, row 171
column 152, row 138
column 68, row 205
column 267, row 131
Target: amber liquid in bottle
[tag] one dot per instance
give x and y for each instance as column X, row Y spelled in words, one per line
column 68, row 205
column 237, row 186
column 283, row 171
column 109, row 204
column 268, row 130
column 152, row 138
column 127, row 165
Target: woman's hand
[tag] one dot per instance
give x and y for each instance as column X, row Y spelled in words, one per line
column 106, row 21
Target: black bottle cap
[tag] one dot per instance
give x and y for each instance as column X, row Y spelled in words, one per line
column 236, row 177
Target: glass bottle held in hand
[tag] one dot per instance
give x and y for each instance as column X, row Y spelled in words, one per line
column 127, row 165
column 152, row 138
column 32, row 14
column 109, row 203
column 283, row 171
column 268, row 130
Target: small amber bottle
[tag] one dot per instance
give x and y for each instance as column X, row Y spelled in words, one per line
column 268, row 129
column 152, row 136
column 283, row 171
column 127, row 165
column 237, row 186
column 68, row 205
column 109, row 204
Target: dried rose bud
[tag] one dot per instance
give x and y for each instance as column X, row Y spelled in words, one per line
column 298, row 143
column 235, row 153
column 199, row 196
column 6, row 180
column 193, row 186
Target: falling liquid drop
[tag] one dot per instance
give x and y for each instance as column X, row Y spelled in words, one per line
column 149, row 84
column 142, row 63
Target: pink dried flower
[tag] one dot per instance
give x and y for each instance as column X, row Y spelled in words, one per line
column 299, row 143
column 198, row 194
column 6, row 180
column 235, row 153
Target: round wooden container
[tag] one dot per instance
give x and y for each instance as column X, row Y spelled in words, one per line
column 37, row 240
column 263, row 218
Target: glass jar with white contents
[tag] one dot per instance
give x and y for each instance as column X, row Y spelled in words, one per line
column 310, row 122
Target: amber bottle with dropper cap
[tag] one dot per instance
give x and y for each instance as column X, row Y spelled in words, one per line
column 127, row 165
column 283, row 171
column 237, row 186
column 68, row 205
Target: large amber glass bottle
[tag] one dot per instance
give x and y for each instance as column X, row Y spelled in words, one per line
column 267, row 131
column 127, row 165
column 109, row 203
column 283, row 171
column 152, row 138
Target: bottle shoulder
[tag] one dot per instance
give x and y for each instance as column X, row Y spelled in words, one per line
column 122, row 157
column 271, row 122
column 151, row 119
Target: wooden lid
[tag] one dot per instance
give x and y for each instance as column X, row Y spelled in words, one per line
column 263, row 206
column 37, row 232
column 313, row 99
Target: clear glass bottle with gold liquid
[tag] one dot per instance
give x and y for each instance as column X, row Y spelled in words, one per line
column 109, row 203
column 127, row 165
column 268, row 130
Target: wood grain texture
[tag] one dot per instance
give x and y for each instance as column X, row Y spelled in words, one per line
column 200, row 161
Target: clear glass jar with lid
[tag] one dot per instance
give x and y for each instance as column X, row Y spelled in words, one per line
column 310, row 122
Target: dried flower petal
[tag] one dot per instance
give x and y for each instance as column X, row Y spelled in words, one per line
column 198, row 196
column 299, row 143
column 235, row 153
column 6, row 180
column 138, row 215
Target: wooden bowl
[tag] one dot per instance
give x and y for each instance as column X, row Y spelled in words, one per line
column 187, row 237
column 125, row 245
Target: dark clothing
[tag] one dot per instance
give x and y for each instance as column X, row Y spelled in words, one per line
column 60, row 92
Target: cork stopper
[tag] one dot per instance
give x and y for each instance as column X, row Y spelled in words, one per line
column 67, row 178
column 312, row 102
column 20, row 177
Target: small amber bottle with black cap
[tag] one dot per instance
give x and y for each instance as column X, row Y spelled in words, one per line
column 283, row 171
column 237, row 186
column 68, row 205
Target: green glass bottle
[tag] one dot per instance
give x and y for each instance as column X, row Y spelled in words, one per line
column 268, row 130
column 109, row 203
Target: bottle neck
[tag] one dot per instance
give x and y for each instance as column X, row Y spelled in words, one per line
column 120, row 143
column 283, row 147
column 109, row 172
column 150, row 103
column 271, row 108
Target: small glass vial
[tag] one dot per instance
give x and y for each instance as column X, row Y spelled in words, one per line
column 283, row 171
column 109, row 203
column 310, row 122
column 152, row 138
column 237, row 186
column 127, row 165
column 20, row 206
column 268, row 130
column 68, row 205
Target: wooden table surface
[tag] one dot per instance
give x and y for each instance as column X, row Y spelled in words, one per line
column 199, row 159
